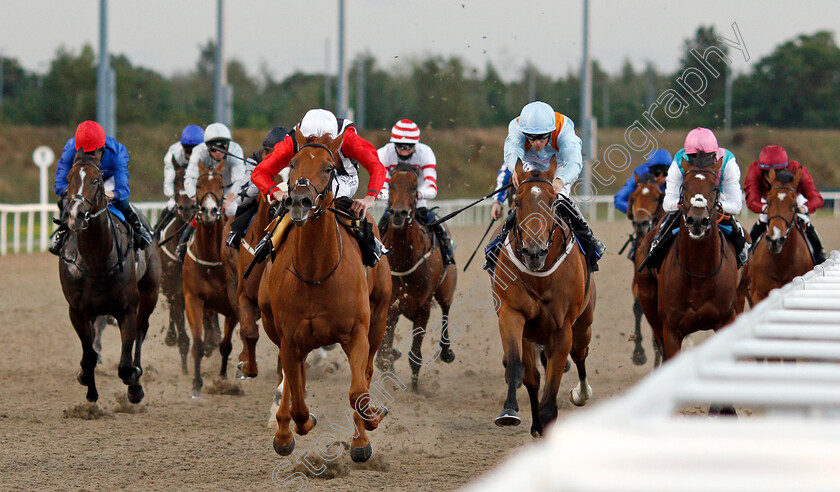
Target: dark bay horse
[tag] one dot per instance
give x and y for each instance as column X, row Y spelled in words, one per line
column 102, row 274
column 317, row 292
column 696, row 284
column 171, row 281
column 417, row 272
column 782, row 253
column 205, row 285
column 644, row 209
column 546, row 295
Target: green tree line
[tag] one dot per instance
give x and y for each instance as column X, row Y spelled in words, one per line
column 797, row 85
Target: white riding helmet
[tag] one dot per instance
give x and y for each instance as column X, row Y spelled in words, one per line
column 405, row 131
column 216, row 131
column 317, row 123
column 537, row 118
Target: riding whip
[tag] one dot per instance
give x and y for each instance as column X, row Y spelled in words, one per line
column 480, row 242
column 453, row 214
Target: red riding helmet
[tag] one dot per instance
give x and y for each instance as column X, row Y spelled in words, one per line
column 772, row 156
column 89, row 136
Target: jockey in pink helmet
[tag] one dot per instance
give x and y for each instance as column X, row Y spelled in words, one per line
column 701, row 150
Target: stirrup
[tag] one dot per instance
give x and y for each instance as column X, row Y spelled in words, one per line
column 233, row 240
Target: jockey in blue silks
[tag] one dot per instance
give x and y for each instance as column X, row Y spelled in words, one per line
column 657, row 165
column 90, row 137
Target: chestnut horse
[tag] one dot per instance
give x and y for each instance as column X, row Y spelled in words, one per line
column 782, row 253
column 317, row 292
column 644, row 209
column 546, row 296
column 102, row 274
column 417, row 272
column 696, row 284
column 171, row 282
column 205, row 286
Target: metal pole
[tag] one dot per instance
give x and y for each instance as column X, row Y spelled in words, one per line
column 605, row 94
column 532, row 83
column 360, row 94
column 219, row 72
column 586, row 101
column 727, row 109
column 342, row 76
column 327, row 85
column 102, row 71
column 111, row 128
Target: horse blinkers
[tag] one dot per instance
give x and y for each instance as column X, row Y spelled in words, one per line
column 210, row 204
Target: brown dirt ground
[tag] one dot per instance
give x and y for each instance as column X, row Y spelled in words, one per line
column 438, row 439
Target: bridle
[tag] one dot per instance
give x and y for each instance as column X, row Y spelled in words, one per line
column 651, row 221
column 517, row 234
column 709, row 206
column 91, row 204
column 788, row 222
column 413, row 208
column 317, row 207
column 202, row 212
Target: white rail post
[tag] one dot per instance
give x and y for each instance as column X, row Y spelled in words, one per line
column 43, row 157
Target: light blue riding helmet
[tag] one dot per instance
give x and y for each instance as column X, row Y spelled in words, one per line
column 537, row 118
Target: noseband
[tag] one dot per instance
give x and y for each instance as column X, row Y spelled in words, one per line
column 78, row 197
column 709, row 207
column 788, row 222
column 317, row 208
column 200, row 201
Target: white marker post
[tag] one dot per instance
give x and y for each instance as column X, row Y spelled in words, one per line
column 43, row 157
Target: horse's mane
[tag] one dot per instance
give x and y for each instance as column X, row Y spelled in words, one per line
column 83, row 159
column 647, row 178
column 404, row 166
column 700, row 163
column 784, row 176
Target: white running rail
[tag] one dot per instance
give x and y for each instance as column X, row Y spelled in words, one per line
column 20, row 225
column 654, row 437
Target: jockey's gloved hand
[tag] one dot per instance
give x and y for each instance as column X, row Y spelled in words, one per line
column 171, row 204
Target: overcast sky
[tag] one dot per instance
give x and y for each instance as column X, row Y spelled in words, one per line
column 287, row 36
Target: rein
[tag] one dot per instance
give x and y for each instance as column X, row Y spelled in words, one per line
column 788, row 222
column 340, row 257
column 709, row 209
column 517, row 235
column 317, row 208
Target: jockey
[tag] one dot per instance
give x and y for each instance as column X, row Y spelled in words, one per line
column 217, row 147
column 405, row 147
column 700, row 144
column 246, row 203
column 177, row 157
column 90, row 137
column 809, row 200
column 320, row 122
column 657, row 165
column 537, row 135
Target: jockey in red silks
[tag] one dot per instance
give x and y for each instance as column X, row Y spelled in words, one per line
column 320, row 122
column 808, row 200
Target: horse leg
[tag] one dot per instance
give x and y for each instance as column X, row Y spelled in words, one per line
column 581, row 336
column 557, row 349
column 379, row 305
column 367, row 416
column 446, row 353
column 195, row 318
column 639, row 357
column 126, row 370
column 387, row 354
column 671, row 342
column 183, row 338
column 212, row 333
column 511, row 327
column 294, row 369
column 415, row 356
column 226, row 345
column 86, row 377
column 284, row 441
column 98, row 328
column 172, row 332
column 250, row 333
column 531, row 380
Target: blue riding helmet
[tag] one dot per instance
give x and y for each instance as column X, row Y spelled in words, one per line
column 537, row 118
column 192, row 135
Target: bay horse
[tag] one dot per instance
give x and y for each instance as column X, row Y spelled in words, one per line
column 102, row 274
column 696, row 284
column 644, row 209
column 171, row 281
column 418, row 274
column 317, row 292
column 782, row 253
column 546, row 295
column 205, row 286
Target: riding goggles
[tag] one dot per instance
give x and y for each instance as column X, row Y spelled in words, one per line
column 533, row 137
column 404, row 146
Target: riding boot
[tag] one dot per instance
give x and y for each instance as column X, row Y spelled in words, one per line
column 757, row 230
column 181, row 249
column 738, row 239
column 142, row 237
column 59, row 236
column 593, row 248
column 240, row 222
column 447, row 246
column 663, row 238
column 816, row 243
column 491, row 251
column 165, row 217
column 383, row 222
column 631, row 255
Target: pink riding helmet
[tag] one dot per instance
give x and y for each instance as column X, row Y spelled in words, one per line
column 702, row 140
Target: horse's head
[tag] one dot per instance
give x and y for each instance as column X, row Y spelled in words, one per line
column 699, row 200
column 644, row 203
column 781, row 207
column 185, row 205
column 209, row 193
column 535, row 216
column 402, row 195
column 312, row 171
column 85, row 191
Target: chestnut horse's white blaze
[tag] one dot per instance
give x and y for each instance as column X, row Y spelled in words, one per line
column 699, row 201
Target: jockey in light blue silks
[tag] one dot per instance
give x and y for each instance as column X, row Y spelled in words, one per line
column 90, row 138
column 537, row 135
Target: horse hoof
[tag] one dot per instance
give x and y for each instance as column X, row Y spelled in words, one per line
column 92, row 396
column 383, row 364
column 135, row 394
column 578, row 397
column 360, row 455
column 171, row 337
column 639, row 357
column 314, row 419
column 241, row 375
column 535, row 433
column 81, row 378
column 395, row 354
column 284, row 449
column 568, row 366
column 447, row 355
column 508, row 417
column 195, row 394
